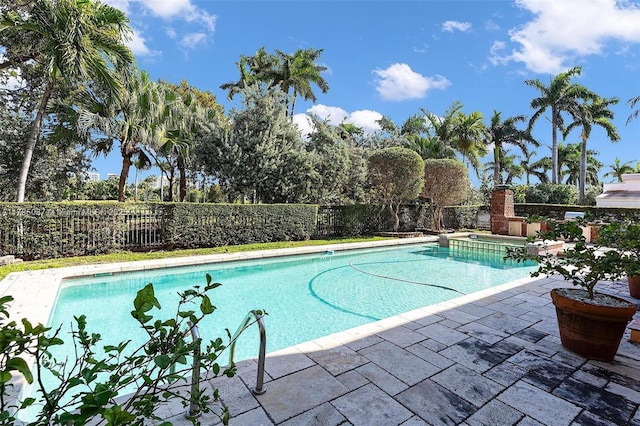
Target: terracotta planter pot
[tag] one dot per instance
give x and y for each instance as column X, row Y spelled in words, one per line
column 588, row 329
column 634, row 286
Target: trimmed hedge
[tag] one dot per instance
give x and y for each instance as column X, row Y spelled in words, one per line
column 368, row 219
column 45, row 230
column 593, row 213
column 212, row 225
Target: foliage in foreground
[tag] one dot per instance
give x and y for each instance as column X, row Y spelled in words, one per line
column 90, row 386
column 583, row 264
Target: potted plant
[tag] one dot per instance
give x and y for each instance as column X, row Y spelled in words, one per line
column 625, row 237
column 591, row 324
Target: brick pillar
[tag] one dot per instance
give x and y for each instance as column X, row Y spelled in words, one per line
column 501, row 209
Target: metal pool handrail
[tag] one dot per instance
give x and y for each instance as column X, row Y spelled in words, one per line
column 194, row 409
column 257, row 315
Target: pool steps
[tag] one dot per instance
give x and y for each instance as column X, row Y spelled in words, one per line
column 490, row 243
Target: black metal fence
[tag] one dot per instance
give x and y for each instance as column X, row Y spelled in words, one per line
column 44, row 230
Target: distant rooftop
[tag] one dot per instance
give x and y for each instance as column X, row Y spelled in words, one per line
column 621, row 194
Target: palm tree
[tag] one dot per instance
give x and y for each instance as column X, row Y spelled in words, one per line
column 594, row 110
column 256, row 69
column 78, row 41
column 468, row 136
column 136, row 121
column 569, row 164
column 618, row 169
column 560, row 96
column 632, row 102
column 291, row 73
column 296, row 72
column 512, row 169
column 441, row 128
column 507, row 164
column 537, row 168
column 505, row 132
column 429, row 147
column 189, row 114
column 417, row 136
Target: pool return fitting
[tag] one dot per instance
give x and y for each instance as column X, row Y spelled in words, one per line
column 194, row 410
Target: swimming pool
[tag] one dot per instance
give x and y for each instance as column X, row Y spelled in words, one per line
column 305, row 296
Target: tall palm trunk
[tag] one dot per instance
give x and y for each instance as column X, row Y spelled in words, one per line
column 124, row 174
column 293, row 104
column 583, row 167
column 497, row 176
column 182, row 180
column 554, row 146
column 171, row 178
column 31, row 141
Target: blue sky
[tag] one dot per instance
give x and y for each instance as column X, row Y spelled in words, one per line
column 394, row 58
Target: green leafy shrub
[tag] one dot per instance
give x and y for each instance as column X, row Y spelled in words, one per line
column 590, row 195
column 549, row 193
column 461, row 217
column 582, row 264
column 396, row 176
column 95, row 386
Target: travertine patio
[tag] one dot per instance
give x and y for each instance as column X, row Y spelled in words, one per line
column 487, row 359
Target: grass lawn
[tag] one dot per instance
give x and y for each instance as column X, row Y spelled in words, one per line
column 127, row 256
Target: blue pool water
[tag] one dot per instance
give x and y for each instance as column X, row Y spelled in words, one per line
column 306, row 296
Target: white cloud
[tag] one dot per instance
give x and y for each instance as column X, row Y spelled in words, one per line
column 170, row 32
column 491, row 25
column 139, row 47
column 190, row 41
column 421, row 49
column 451, row 26
column 564, row 31
column 334, row 115
column 304, row 124
column 169, row 10
column 364, row 119
column 182, row 9
column 399, row 82
column 497, row 55
column 123, row 5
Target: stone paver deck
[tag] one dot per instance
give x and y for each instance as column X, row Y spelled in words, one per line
column 490, row 358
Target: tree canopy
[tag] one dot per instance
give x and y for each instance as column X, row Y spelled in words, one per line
column 446, row 183
column 396, row 175
column 79, row 41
